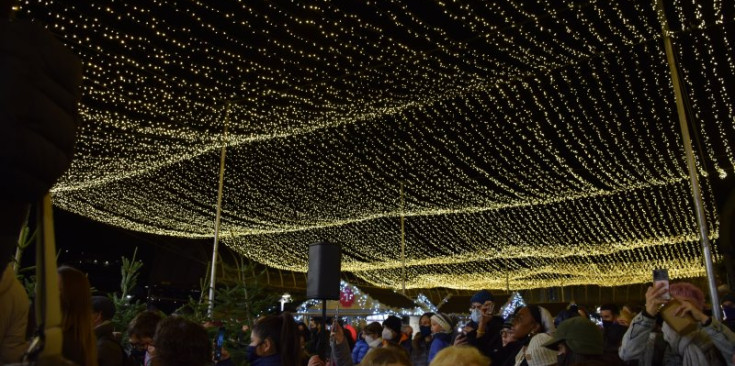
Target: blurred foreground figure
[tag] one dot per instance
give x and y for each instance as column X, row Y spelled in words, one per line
column 40, row 87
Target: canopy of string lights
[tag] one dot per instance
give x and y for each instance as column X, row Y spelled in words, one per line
column 536, row 142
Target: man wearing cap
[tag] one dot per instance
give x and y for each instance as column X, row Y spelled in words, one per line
column 487, row 337
column 577, row 340
column 109, row 351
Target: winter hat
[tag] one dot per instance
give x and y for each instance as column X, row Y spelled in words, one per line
column 481, row 297
column 547, row 321
column 581, row 335
column 373, row 328
column 543, row 317
column 393, row 323
column 538, row 355
column 444, row 321
column 103, row 305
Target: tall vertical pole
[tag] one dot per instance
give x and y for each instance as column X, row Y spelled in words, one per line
column 213, row 273
column 693, row 176
column 403, row 241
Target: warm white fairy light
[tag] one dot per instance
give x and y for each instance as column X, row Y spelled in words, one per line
column 535, row 140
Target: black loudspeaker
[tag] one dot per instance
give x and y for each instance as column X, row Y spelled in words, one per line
column 325, row 264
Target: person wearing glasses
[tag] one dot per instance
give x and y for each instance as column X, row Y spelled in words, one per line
column 140, row 335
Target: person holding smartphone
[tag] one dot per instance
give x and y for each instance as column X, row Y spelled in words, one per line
column 710, row 344
column 486, row 338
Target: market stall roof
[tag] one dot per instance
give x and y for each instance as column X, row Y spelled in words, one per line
column 536, row 142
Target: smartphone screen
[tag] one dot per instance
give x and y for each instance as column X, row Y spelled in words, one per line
column 219, row 343
column 662, row 276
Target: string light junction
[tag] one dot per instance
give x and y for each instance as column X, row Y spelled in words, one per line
column 537, row 140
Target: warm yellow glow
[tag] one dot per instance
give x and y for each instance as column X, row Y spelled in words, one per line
column 538, row 142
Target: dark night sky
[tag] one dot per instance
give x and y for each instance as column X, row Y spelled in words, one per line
column 96, row 248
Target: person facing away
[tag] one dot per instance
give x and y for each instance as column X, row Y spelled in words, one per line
column 274, row 340
column 579, row 341
column 180, row 342
column 79, row 344
column 710, row 344
column 441, row 331
column 390, row 355
column 140, row 336
column 460, row 356
column 109, row 351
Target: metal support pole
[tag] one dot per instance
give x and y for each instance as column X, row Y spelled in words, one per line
column 403, row 242
column 213, row 273
column 693, row 176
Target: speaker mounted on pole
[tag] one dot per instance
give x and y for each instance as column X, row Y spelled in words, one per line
column 325, row 267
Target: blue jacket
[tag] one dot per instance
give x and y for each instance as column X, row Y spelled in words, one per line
column 360, row 350
column 438, row 343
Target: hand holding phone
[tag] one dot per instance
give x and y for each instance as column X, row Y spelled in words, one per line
column 662, row 276
column 219, row 342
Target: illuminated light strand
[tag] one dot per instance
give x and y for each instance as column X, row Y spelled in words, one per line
column 330, row 122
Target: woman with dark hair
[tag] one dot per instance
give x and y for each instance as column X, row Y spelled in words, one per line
column 274, row 341
column 422, row 341
column 80, row 344
column 181, row 342
column 531, row 327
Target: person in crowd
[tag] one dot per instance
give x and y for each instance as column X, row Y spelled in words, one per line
column 14, row 307
column 506, row 355
column 407, row 336
column 728, row 310
column 507, row 334
column 372, row 339
column 39, row 118
column 315, row 327
column 486, row 338
column 578, row 341
column 571, row 311
column 441, row 331
column 348, row 329
column 532, row 326
column 627, row 313
column 460, row 356
column 304, row 336
column 407, row 330
column 109, row 351
column 392, row 333
column 351, row 333
column 274, row 341
column 422, row 341
column 612, row 330
column 710, row 344
column 140, row 336
column 180, row 342
column 390, row 355
column 80, row 345
column 360, row 350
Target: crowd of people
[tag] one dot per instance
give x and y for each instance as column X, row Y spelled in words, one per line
column 37, row 144
column 530, row 336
